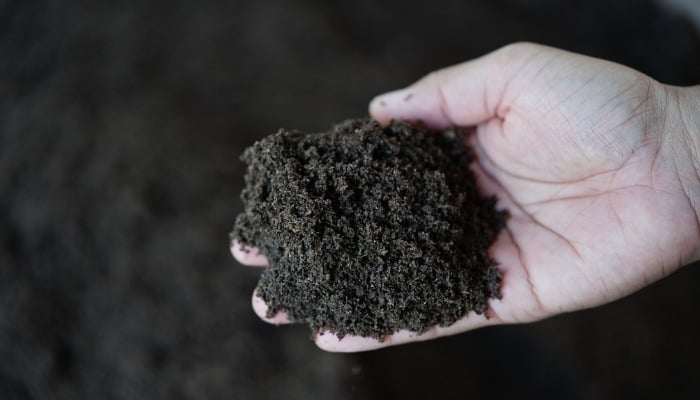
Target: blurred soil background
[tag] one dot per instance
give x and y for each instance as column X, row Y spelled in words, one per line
column 121, row 124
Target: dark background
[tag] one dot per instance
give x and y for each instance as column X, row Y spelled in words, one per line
column 120, row 131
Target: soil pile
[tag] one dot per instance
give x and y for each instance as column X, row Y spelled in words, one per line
column 369, row 229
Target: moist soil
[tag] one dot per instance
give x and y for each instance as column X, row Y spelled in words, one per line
column 369, row 229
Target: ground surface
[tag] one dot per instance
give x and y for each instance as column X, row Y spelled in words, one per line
column 120, row 131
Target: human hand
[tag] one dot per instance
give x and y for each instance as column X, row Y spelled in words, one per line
column 597, row 165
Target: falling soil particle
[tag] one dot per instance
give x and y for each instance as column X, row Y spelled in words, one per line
column 369, row 229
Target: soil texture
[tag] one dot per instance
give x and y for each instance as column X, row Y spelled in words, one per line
column 369, row 229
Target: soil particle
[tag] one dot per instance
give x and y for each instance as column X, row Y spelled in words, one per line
column 369, row 229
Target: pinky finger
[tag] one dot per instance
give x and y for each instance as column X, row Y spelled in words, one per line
column 351, row 343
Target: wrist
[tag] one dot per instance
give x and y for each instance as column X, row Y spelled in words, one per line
column 686, row 106
column 689, row 103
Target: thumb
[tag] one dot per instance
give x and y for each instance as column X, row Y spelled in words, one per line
column 465, row 94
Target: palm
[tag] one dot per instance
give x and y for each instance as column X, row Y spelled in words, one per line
column 583, row 184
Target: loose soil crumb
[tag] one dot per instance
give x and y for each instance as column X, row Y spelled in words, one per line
column 369, row 229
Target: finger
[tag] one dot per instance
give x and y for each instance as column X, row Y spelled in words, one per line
column 260, row 308
column 465, row 94
column 351, row 343
column 247, row 255
column 517, row 304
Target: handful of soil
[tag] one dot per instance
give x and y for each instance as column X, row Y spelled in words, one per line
column 369, row 229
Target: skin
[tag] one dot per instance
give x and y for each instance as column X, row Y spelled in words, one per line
column 597, row 164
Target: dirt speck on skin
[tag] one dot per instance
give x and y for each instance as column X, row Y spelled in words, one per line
column 369, row 229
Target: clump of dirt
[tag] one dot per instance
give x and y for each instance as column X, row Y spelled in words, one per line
column 369, row 229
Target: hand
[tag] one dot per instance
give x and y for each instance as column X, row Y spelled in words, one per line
column 595, row 162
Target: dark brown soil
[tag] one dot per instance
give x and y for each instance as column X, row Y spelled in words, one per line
column 120, row 123
column 369, row 230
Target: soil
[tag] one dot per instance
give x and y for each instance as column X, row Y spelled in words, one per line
column 120, row 128
column 369, row 229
